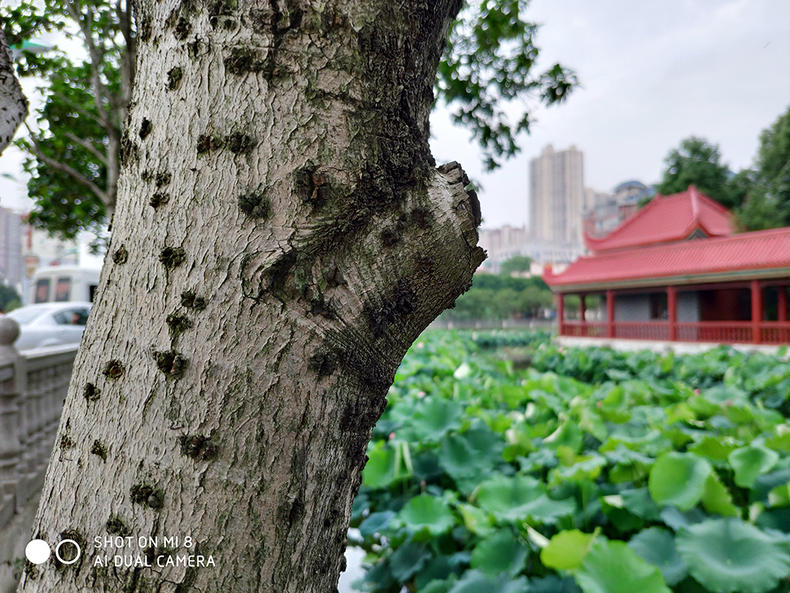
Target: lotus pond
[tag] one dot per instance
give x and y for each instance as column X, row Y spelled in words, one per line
column 504, row 464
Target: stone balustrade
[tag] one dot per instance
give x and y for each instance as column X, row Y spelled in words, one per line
column 33, row 385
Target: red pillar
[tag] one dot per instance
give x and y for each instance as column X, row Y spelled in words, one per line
column 610, row 313
column 757, row 310
column 560, row 313
column 672, row 312
column 781, row 303
column 582, row 308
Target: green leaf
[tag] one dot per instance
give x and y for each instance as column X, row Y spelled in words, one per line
column 749, row 462
column 678, row 519
column 567, row 435
column 519, row 498
column 657, row 546
column 553, row 584
column 436, row 568
column 678, row 479
column 475, row 581
column 476, row 520
column 612, row 567
column 435, row 417
column 566, row 550
column 436, row 586
column 779, row 442
column 715, row 448
column 716, row 498
column 500, row 553
column 427, row 512
column 375, row 523
column 638, row 502
column 779, row 496
column 407, row 560
column 729, row 555
column 469, row 456
column 384, row 467
column 585, row 469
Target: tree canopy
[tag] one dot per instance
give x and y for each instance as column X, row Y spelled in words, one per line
column 697, row 162
column 759, row 195
column 501, row 296
column 487, row 71
column 74, row 154
column 767, row 185
column 9, row 298
column 517, row 263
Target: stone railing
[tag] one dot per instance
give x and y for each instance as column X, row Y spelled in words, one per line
column 33, row 385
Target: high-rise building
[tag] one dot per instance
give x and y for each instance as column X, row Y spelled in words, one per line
column 11, row 267
column 557, row 196
column 606, row 212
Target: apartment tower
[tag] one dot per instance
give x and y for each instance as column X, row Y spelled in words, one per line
column 557, row 196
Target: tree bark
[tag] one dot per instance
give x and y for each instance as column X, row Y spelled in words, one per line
column 13, row 104
column 282, row 236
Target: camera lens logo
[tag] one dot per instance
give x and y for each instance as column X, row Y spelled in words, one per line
column 75, row 553
column 37, row 551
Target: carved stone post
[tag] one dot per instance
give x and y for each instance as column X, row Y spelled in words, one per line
column 10, row 396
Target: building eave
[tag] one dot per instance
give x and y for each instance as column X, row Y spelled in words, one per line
column 679, row 280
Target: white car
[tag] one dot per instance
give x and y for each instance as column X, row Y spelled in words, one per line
column 50, row 324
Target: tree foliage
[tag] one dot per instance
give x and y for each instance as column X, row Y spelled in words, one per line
column 9, row 298
column 74, row 157
column 487, row 64
column 759, row 196
column 517, row 263
column 698, row 162
column 501, row 296
column 767, row 185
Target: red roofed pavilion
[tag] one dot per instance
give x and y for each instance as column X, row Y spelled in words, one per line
column 677, row 271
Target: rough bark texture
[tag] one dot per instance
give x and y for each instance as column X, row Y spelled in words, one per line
column 13, row 105
column 282, row 236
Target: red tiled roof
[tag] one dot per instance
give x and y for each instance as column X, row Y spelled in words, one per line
column 665, row 219
column 759, row 251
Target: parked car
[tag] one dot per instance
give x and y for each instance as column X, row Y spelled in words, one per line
column 50, row 324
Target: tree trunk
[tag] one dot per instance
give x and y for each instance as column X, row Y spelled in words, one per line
column 281, row 237
column 13, row 105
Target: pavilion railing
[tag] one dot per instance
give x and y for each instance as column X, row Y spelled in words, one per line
column 33, row 385
column 775, row 332
column 716, row 331
column 635, row 330
column 583, row 329
column 729, row 332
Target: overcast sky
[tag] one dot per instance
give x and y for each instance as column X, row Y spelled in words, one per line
column 653, row 72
